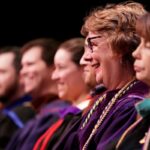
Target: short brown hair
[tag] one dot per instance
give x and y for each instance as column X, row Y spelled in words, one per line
column 117, row 22
column 48, row 46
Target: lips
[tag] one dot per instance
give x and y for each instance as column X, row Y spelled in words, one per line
column 137, row 69
column 60, row 85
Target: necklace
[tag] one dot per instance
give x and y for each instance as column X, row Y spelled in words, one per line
column 92, row 110
column 107, row 109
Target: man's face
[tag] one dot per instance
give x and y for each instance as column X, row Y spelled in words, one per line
column 88, row 70
column 8, row 75
column 34, row 72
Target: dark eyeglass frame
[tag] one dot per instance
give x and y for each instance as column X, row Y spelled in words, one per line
column 89, row 43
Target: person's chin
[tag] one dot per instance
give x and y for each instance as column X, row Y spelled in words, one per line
column 139, row 76
column 98, row 79
column 61, row 95
column 29, row 90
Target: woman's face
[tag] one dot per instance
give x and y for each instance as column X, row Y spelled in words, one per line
column 142, row 61
column 68, row 75
column 104, row 61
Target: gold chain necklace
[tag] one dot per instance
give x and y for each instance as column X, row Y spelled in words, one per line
column 107, row 109
column 92, row 110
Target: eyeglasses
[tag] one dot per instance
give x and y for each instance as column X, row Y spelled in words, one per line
column 89, row 42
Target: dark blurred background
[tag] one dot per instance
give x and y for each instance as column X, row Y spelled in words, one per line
column 59, row 19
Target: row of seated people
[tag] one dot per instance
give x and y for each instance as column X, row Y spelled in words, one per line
column 96, row 84
column 41, row 83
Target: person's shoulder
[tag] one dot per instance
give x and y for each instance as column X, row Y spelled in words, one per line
column 24, row 112
column 17, row 116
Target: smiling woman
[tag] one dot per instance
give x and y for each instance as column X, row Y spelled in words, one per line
column 68, row 73
column 110, row 34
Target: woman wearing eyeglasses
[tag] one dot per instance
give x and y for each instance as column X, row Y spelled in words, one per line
column 111, row 39
column 137, row 136
column 110, row 34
